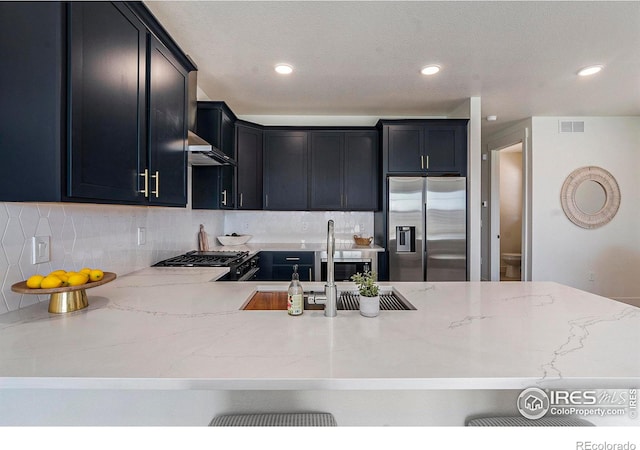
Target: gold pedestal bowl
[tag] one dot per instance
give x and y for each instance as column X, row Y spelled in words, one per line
column 65, row 299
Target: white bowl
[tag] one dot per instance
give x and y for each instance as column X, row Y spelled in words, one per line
column 234, row 240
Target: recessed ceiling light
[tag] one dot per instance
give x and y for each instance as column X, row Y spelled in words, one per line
column 589, row 71
column 430, row 70
column 284, row 69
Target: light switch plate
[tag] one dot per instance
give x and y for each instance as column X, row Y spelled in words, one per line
column 142, row 235
column 40, row 249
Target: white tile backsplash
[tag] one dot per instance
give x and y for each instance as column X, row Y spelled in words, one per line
column 102, row 236
column 106, row 236
column 298, row 226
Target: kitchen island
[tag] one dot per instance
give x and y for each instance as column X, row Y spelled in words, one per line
column 167, row 346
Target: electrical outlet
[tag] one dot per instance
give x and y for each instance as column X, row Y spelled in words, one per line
column 142, row 235
column 305, row 226
column 592, row 276
column 40, row 249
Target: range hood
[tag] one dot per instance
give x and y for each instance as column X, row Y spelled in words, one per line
column 201, row 153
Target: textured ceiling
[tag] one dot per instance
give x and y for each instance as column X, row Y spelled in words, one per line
column 363, row 58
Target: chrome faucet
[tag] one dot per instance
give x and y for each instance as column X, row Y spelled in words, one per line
column 330, row 290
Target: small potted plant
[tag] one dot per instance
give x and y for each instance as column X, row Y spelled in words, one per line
column 369, row 293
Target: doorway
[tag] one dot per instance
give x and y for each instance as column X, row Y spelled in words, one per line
column 507, row 213
column 509, row 228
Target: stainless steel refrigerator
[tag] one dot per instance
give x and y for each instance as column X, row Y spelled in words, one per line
column 427, row 223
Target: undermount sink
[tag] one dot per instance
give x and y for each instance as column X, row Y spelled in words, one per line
column 269, row 299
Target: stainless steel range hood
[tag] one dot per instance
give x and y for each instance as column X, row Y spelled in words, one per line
column 201, row 153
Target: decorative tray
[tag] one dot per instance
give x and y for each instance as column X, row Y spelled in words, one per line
column 68, row 298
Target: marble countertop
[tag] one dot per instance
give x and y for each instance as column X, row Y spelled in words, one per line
column 174, row 328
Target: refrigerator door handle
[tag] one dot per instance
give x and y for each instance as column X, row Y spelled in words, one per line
column 425, row 260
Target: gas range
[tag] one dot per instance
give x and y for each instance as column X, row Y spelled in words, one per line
column 242, row 266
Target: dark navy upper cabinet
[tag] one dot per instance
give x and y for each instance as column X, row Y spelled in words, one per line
column 361, row 164
column 32, row 122
column 285, row 176
column 249, row 171
column 327, row 170
column 436, row 146
column 215, row 123
column 343, row 170
column 405, row 145
column 110, row 101
column 166, row 165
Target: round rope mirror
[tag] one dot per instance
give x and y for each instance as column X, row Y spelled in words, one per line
column 590, row 197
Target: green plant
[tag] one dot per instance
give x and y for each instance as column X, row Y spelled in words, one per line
column 366, row 283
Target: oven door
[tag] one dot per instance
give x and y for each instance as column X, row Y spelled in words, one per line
column 250, row 275
column 247, row 270
column 344, row 268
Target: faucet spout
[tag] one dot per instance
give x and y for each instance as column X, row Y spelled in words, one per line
column 330, row 290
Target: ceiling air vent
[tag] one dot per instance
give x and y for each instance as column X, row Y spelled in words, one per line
column 568, row 126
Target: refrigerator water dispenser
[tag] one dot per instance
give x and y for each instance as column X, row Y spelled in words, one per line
column 405, row 239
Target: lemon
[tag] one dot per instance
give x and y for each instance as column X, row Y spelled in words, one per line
column 96, row 275
column 57, row 272
column 85, row 270
column 34, row 281
column 51, row 281
column 78, row 279
column 64, row 277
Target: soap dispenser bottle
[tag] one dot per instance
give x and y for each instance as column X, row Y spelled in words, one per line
column 295, row 298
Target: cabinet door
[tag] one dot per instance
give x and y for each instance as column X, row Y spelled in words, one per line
column 209, row 124
column 167, row 127
column 327, row 170
column 205, row 187
column 285, row 170
column 445, row 148
column 31, row 109
column 249, row 171
column 405, row 144
column 227, row 126
column 227, row 190
column 283, row 262
column 107, row 148
column 361, row 171
column 284, row 272
column 227, row 173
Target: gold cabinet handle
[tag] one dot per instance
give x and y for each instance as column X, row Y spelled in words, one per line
column 422, row 162
column 427, row 161
column 224, row 197
column 145, row 175
column 240, row 199
column 157, row 178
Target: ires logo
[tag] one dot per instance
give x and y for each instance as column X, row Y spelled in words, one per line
column 534, row 403
column 564, row 398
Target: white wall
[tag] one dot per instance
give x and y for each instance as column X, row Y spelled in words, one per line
column 88, row 235
column 564, row 252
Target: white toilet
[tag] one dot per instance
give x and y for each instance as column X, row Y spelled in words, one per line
column 512, row 261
